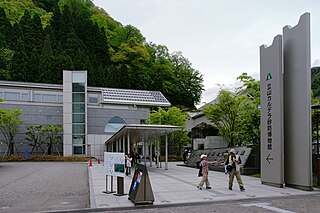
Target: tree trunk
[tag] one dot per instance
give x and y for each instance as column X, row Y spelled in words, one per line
column 11, row 148
column 49, row 149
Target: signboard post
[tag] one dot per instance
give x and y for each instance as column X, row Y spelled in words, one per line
column 297, row 104
column 271, row 108
column 286, row 107
column 114, row 167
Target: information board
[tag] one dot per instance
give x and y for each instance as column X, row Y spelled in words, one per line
column 114, row 164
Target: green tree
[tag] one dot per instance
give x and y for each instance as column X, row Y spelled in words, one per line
column 237, row 114
column 250, row 115
column 53, row 133
column 118, row 77
column 62, row 61
column 250, row 87
column 9, row 126
column 173, row 116
column 6, row 56
column 160, row 68
column 315, row 81
column 83, row 36
column 315, row 117
column 5, row 28
column 33, row 134
column 46, row 73
column 249, row 133
column 186, row 88
column 20, row 62
column 45, row 4
column 225, row 115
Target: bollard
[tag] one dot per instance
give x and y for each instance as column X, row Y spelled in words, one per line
column 98, row 160
column 90, row 162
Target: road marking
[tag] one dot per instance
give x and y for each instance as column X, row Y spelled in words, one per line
column 64, row 203
column 267, row 206
column 4, row 207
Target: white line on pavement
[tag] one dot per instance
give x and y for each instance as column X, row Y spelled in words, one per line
column 267, row 206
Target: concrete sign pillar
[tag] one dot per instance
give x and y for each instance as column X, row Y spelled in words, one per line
column 271, row 90
column 297, row 104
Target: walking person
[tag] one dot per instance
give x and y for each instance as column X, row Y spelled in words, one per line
column 204, row 172
column 128, row 160
column 133, row 156
column 234, row 161
column 184, row 154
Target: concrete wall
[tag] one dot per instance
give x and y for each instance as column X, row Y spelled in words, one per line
column 32, row 114
column 210, row 142
column 99, row 117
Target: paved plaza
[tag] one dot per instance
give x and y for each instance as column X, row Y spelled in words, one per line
column 177, row 186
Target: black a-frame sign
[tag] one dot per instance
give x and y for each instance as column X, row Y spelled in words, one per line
column 140, row 190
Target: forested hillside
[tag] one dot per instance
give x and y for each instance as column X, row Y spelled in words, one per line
column 315, row 81
column 40, row 38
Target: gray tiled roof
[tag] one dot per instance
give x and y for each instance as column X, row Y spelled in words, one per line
column 112, row 95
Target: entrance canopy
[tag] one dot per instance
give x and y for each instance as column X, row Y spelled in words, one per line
column 133, row 133
column 143, row 132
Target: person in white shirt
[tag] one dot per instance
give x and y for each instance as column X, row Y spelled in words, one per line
column 128, row 160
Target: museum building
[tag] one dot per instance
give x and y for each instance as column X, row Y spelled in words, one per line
column 90, row 115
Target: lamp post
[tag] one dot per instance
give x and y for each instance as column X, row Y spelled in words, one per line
column 316, row 109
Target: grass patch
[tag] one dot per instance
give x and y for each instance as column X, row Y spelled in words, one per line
column 37, row 158
column 258, row 175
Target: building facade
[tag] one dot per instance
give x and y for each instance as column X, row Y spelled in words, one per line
column 202, row 131
column 90, row 115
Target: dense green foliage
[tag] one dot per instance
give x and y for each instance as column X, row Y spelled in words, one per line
column 225, row 115
column 9, row 126
column 250, row 116
column 36, row 133
column 53, row 134
column 173, row 116
column 315, row 81
column 40, row 38
column 236, row 114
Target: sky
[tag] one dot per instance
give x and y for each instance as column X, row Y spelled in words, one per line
column 221, row 39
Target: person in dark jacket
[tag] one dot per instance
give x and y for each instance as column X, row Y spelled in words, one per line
column 185, row 154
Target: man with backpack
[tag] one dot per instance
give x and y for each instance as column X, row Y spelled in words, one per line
column 203, row 171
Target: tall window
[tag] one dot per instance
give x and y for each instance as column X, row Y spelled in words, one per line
column 78, row 113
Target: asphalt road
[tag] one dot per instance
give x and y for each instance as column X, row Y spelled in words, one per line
column 43, row 186
column 291, row 204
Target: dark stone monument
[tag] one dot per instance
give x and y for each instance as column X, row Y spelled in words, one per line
column 218, row 155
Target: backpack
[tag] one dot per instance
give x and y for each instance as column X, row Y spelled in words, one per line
column 198, row 164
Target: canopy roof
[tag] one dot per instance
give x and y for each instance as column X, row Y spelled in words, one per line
column 143, row 132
